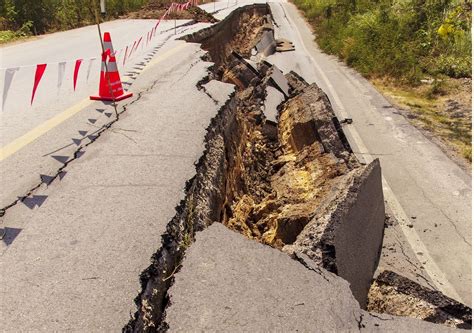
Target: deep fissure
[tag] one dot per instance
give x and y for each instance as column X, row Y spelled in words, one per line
column 293, row 184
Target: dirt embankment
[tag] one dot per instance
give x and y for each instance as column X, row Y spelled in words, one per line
column 155, row 9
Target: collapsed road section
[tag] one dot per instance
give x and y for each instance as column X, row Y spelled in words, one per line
column 289, row 181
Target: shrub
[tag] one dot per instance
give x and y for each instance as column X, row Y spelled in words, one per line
column 404, row 39
column 40, row 16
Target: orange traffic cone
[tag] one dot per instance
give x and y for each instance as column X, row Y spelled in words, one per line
column 109, row 75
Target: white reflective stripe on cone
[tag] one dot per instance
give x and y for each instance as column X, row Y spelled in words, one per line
column 112, row 66
column 108, row 46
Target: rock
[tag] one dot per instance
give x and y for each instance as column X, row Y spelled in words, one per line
column 397, row 295
column 345, row 235
column 309, row 118
column 296, row 83
column 279, row 81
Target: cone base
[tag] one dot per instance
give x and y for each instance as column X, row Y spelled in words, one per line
column 110, row 99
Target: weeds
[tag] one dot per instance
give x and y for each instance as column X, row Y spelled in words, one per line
column 41, row 16
column 411, row 50
column 437, row 88
column 427, row 107
column 405, row 39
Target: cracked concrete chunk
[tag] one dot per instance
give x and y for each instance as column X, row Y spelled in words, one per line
column 284, row 45
column 231, row 284
column 310, row 119
column 296, row 82
column 272, row 100
column 239, row 72
column 219, row 91
column 394, row 294
column 267, row 44
column 345, row 235
column 279, row 80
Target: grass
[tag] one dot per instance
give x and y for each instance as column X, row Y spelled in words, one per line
column 399, row 45
column 7, row 36
column 426, row 108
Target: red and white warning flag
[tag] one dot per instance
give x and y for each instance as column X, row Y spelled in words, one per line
column 76, row 71
column 9, row 73
column 91, row 60
column 61, row 73
column 38, row 75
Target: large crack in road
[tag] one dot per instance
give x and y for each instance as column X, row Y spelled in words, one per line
column 46, row 180
column 293, row 184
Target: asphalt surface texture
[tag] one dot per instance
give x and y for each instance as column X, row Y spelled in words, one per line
column 74, row 249
column 232, row 284
column 33, row 134
column 75, row 246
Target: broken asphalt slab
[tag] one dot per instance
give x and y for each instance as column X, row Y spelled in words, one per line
column 397, row 295
column 229, row 283
column 75, row 264
column 419, row 179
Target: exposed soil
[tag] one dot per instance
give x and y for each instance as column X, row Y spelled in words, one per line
column 243, row 31
column 294, row 185
column 295, row 175
column 156, row 8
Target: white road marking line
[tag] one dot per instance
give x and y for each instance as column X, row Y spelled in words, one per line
column 24, row 140
column 438, row 277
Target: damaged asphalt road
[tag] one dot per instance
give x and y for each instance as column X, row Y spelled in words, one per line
column 231, row 284
column 201, row 136
column 427, row 193
column 76, row 263
column 295, row 186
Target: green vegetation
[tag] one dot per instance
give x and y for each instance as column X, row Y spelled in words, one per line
column 402, row 39
column 417, row 52
column 8, row 35
column 20, row 18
